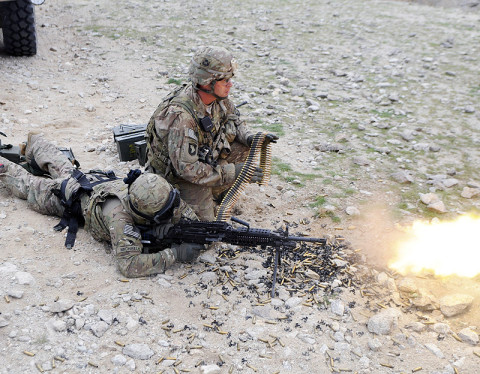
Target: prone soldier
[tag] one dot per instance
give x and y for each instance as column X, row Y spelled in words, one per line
column 111, row 209
column 195, row 138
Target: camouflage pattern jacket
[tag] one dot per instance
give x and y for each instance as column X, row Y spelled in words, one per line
column 175, row 138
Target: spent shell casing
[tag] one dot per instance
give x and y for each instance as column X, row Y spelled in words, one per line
column 93, row 364
column 40, row 369
column 28, row 353
column 58, row 358
column 119, row 343
column 456, row 337
column 7, row 299
column 386, row 365
column 417, row 369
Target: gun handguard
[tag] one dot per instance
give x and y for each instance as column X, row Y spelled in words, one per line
column 201, row 232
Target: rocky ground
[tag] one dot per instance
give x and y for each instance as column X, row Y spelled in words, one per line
column 377, row 108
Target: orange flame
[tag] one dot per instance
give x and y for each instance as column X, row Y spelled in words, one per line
column 446, row 248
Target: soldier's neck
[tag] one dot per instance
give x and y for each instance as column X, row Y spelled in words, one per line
column 206, row 98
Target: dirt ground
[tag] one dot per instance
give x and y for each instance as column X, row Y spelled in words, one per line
column 357, row 76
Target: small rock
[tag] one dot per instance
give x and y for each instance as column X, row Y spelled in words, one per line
column 99, row 328
column 407, row 285
column 384, row 322
column 210, row 369
column 338, row 307
column 374, row 344
column 138, row 351
column 119, row 360
column 23, row 277
column 452, row 305
column 435, row 350
column 61, row 305
column 468, row 336
column 352, row 211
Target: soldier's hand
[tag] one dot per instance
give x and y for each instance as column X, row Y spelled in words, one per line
column 162, row 230
column 238, row 169
column 187, row 252
column 257, row 173
column 270, row 138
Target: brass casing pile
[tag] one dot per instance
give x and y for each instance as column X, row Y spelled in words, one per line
column 259, row 153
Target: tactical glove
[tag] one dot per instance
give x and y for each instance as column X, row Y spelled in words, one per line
column 161, row 230
column 186, row 252
column 269, row 138
column 257, row 173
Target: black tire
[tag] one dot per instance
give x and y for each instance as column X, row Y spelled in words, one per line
column 19, row 36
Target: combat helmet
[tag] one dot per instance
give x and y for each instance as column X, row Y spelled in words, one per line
column 151, row 199
column 211, row 64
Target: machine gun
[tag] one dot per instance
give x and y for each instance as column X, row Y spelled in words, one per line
column 10, row 152
column 199, row 232
column 14, row 154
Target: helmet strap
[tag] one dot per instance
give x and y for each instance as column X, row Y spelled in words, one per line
column 211, row 91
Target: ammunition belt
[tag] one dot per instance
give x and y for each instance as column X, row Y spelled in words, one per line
column 259, row 153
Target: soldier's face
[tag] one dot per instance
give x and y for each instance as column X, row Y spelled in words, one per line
column 222, row 88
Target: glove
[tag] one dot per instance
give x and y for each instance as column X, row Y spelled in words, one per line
column 161, row 230
column 269, row 138
column 257, row 173
column 187, row 252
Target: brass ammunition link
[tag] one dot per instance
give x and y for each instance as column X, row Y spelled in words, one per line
column 261, row 154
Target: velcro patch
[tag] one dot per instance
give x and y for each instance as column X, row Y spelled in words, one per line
column 191, row 134
column 132, row 231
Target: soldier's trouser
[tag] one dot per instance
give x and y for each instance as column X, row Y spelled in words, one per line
column 201, row 198
column 36, row 190
column 47, row 156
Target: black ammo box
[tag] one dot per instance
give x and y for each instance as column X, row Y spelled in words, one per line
column 126, row 136
column 141, row 152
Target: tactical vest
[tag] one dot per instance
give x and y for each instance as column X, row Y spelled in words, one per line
column 92, row 212
column 159, row 159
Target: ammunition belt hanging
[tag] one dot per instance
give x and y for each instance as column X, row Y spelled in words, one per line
column 259, row 153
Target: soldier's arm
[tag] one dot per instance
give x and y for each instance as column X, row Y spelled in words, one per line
column 242, row 130
column 127, row 246
column 183, row 151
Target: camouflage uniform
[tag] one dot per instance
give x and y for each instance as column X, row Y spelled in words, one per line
column 175, row 138
column 106, row 211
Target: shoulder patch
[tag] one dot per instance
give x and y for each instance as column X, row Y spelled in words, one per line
column 131, row 231
column 192, row 149
column 191, row 134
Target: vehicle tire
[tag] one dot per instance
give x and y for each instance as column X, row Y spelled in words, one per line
column 19, row 36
